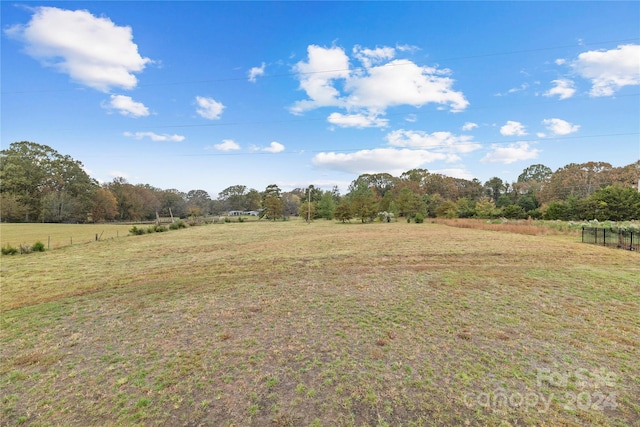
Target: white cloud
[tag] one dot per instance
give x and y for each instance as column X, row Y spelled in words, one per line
column 92, row 50
column 610, row 70
column 438, row 141
column 209, row 108
column 560, row 127
column 511, row 153
column 255, row 72
column 154, row 136
column 227, row 145
column 369, row 57
column 274, row 147
column 469, row 126
column 521, row 88
column 564, row 88
column 357, row 120
column 316, row 77
column 127, row 106
column 389, row 160
column 402, row 82
column 513, row 128
column 328, row 80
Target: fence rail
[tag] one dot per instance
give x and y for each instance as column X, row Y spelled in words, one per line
column 612, row 238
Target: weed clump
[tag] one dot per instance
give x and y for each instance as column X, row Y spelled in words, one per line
column 38, row 247
column 9, row 250
column 177, row 225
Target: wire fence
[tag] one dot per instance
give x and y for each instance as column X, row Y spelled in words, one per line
column 612, row 238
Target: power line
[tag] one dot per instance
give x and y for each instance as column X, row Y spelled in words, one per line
column 290, row 74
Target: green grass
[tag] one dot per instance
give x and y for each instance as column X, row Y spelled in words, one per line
column 285, row 323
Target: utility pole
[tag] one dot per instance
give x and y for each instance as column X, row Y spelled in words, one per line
column 309, row 206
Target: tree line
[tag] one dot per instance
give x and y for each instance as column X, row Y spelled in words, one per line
column 38, row 184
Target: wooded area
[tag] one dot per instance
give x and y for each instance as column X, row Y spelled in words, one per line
column 38, row 184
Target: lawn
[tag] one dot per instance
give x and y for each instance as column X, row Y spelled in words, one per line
column 289, row 324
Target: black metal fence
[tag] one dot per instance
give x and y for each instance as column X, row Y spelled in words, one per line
column 613, row 238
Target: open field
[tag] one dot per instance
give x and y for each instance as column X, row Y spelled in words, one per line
column 289, row 324
column 58, row 235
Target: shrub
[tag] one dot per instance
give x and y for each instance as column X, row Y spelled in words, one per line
column 38, row 247
column 9, row 250
column 240, row 219
column 177, row 225
column 419, row 218
column 136, row 231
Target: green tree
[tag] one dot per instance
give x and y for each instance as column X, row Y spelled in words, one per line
column 198, row 202
column 616, row 203
column 46, row 182
column 272, row 203
column 343, row 211
column 234, row 197
column 494, row 188
column 363, row 203
column 326, row 205
column 409, row 204
column 466, row 207
column 486, row 208
column 447, row 209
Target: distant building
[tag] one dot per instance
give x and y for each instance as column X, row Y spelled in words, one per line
column 245, row 213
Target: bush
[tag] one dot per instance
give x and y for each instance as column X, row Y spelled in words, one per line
column 177, row 225
column 156, row 229
column 136, row 231
column 38, row 247
column 9, row 250
column 419, row 218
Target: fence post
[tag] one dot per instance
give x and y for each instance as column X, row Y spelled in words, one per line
column 604, row 237
column 582, row 234
column 631, row 243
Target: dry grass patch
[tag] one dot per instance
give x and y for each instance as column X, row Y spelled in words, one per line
column 295, row 324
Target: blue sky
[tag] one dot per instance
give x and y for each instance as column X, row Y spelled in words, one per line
column 205, row 95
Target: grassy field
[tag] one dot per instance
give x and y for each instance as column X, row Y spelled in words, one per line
column 289, row 324
column 58, row 235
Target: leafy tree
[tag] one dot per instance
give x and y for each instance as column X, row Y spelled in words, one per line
column 343, row 211
column 105, row 206
column 272, row 203
column 486, row 208
column 503, row 201
column 447, row 209
column 527, row 202
column 12, row 210
column 173, row 202
column 253, row 200
column 380, row 183
column 363, row 203
column 513, row 212
column 616, row 203
column 307, row 210
column 234, row 197
column 326, row 205
column 535, row 173
column 409, row 204
column 198, row 202
column 44, row 181
column 494, row 188
column 466, row 207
